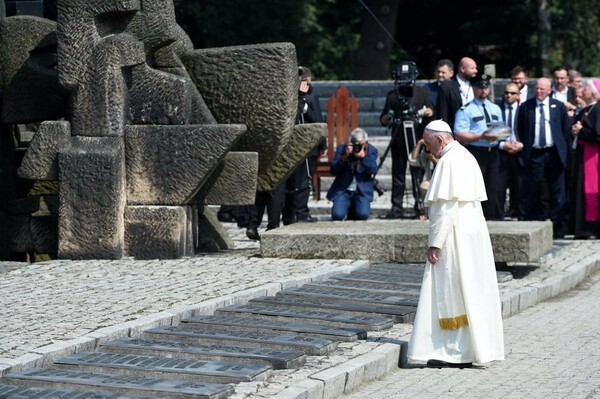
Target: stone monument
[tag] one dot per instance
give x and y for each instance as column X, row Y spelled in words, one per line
column 117, row 134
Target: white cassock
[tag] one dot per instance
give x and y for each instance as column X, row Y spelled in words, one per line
column 459, row 316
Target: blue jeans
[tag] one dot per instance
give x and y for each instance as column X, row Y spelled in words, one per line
column 352, row 204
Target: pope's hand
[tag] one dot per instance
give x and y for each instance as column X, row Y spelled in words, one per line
column 433, row 255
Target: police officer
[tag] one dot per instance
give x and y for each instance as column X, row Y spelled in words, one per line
column 472, row 128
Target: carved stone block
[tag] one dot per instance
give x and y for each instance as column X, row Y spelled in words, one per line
column 166, row 165
column 92, row 175
column 233, row 182
column 157, row 232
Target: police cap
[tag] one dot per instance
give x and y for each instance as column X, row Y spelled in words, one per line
column 481, row 80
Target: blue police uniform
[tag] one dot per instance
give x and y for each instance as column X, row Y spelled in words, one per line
column 471, row 118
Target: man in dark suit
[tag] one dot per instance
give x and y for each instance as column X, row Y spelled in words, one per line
column 354, row 165
column 456, row 92
column 443, row 71
column 544, row 129
column 411, row 104
column 510, row 171
column 562, row 92
column 297, row 186
column 518, row 75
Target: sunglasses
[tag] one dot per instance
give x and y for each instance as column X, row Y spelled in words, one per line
column 511, row 92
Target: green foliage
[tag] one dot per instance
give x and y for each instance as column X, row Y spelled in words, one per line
column 576, row 35
column 325, row 33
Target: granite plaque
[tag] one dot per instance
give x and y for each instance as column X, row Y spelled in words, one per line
column 247, row 323
column 165, row 367
column 350, row 295
column 399, row 268
column 391, row 280
column 122, row 384
column 16, row 392
column 398, row 314
column 374, row 288
column 277, row 358
column 310, row 345
column 286, row 314
column 408, row 277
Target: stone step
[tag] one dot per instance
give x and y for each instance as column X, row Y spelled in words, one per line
column 399, row 240
column 118, row 384
column 309, row 345
column 398, row 314
column 246, row 323
column 17, row 392
column 369, row 323
column 164, row 367
column 277, row 358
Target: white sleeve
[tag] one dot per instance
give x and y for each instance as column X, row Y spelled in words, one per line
column 442, row 217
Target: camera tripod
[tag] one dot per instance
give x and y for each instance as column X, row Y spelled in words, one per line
column 410, row 141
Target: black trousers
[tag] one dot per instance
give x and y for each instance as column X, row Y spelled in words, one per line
column 273, row 202
column 510, row 176
column 399, row 151
column 545, row 165
column 489, row 163
column 297, row 193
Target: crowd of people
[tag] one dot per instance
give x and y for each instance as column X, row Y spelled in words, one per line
column 541, row 145
column 537, row 150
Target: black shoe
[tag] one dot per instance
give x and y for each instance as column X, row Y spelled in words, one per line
column 438, row 364
column 558, row 235
column 252, row 233
column 309, row 219
column 395, row 214
column 225, row 217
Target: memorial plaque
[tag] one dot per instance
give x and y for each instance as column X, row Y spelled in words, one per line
column 399, row 268
column 364, row 286
column 408, row 277
column 277, row 358
column 398, row 314
column 350, row 295
column 121, row 384
column 310, row 345
column 384, row 279
column 286, row 314
column 16, row 392
column 165, row 367
column 247, row 323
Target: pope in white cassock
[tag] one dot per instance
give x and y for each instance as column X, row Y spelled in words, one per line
column 458, row 320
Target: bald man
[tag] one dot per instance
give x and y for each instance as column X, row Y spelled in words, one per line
column 456, row 92
column 544, row 128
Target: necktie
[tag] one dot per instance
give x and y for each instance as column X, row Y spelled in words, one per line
column 542, row 127
column 487, row 116
column 510, row 116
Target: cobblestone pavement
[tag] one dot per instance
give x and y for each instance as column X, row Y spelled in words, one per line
column 48, row 302
column 552, row 351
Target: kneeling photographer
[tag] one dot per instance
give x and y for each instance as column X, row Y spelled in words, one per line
column 354, row 165
column 407, row 110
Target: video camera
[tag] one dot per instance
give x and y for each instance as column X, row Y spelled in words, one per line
column 405, row 75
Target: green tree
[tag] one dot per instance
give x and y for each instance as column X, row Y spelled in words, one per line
column 325, row 33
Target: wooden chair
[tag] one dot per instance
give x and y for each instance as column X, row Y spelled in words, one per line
column 342, row 118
